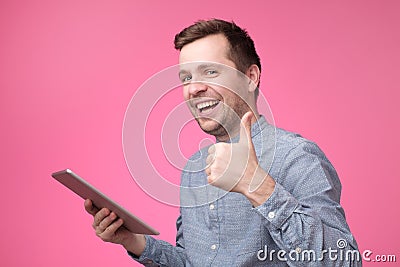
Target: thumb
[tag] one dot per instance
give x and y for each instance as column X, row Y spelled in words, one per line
column 245, row 128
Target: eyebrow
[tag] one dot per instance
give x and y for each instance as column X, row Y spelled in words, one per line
column 182, row 72
column 205, row 66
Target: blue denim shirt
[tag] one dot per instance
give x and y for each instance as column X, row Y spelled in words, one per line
column 301, row 224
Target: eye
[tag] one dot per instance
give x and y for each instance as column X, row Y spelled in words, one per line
column 186, row 79
column 211, row 72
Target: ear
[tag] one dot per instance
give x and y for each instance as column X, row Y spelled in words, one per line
column 253, row 72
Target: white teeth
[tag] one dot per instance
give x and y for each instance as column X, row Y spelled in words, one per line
column 207, row 104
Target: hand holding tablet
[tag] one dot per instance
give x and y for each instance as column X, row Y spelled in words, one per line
column 100, row 200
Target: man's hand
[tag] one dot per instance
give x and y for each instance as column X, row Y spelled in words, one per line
column 235, row 168
column 109, row 228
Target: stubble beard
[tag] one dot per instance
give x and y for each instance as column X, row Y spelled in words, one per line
column 228, row 125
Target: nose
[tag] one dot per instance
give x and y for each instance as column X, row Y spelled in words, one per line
column 196, row 87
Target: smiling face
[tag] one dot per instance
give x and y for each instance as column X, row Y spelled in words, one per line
column 215, row 91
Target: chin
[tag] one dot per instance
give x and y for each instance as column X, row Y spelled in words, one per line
column 211, row 127
column 207, row 124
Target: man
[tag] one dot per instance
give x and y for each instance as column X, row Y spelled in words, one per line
column 267, row 196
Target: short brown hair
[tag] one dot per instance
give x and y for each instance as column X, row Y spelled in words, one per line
column 241, row 47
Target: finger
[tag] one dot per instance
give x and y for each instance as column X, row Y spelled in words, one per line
column 210, row 180
column 210, row 159
column 112, row 228
column 90, row 208
column 213, row 180
column 208, row 171
column 106, row 222
column 104, row 212
column 245, row 128
column 211, row 149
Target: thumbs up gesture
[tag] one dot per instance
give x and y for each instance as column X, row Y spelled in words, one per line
column 234, row 167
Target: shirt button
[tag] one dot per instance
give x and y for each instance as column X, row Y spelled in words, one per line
column 271, row 215
column 212, row 206
column 213, row 247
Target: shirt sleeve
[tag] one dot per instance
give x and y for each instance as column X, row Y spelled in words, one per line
column 304, row 213
column 161, row 253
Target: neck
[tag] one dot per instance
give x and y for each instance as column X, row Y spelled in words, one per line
column 225, row 136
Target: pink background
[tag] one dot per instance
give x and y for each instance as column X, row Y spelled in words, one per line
column 68, row 70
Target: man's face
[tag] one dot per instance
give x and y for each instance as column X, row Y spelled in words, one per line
column 213, row 88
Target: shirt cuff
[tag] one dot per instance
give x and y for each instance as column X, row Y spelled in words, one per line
column 278, row 207
column 149, row 254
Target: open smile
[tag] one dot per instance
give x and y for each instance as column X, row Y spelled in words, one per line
column 206, row 107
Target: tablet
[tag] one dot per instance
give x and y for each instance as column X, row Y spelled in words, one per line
column 87, row 191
